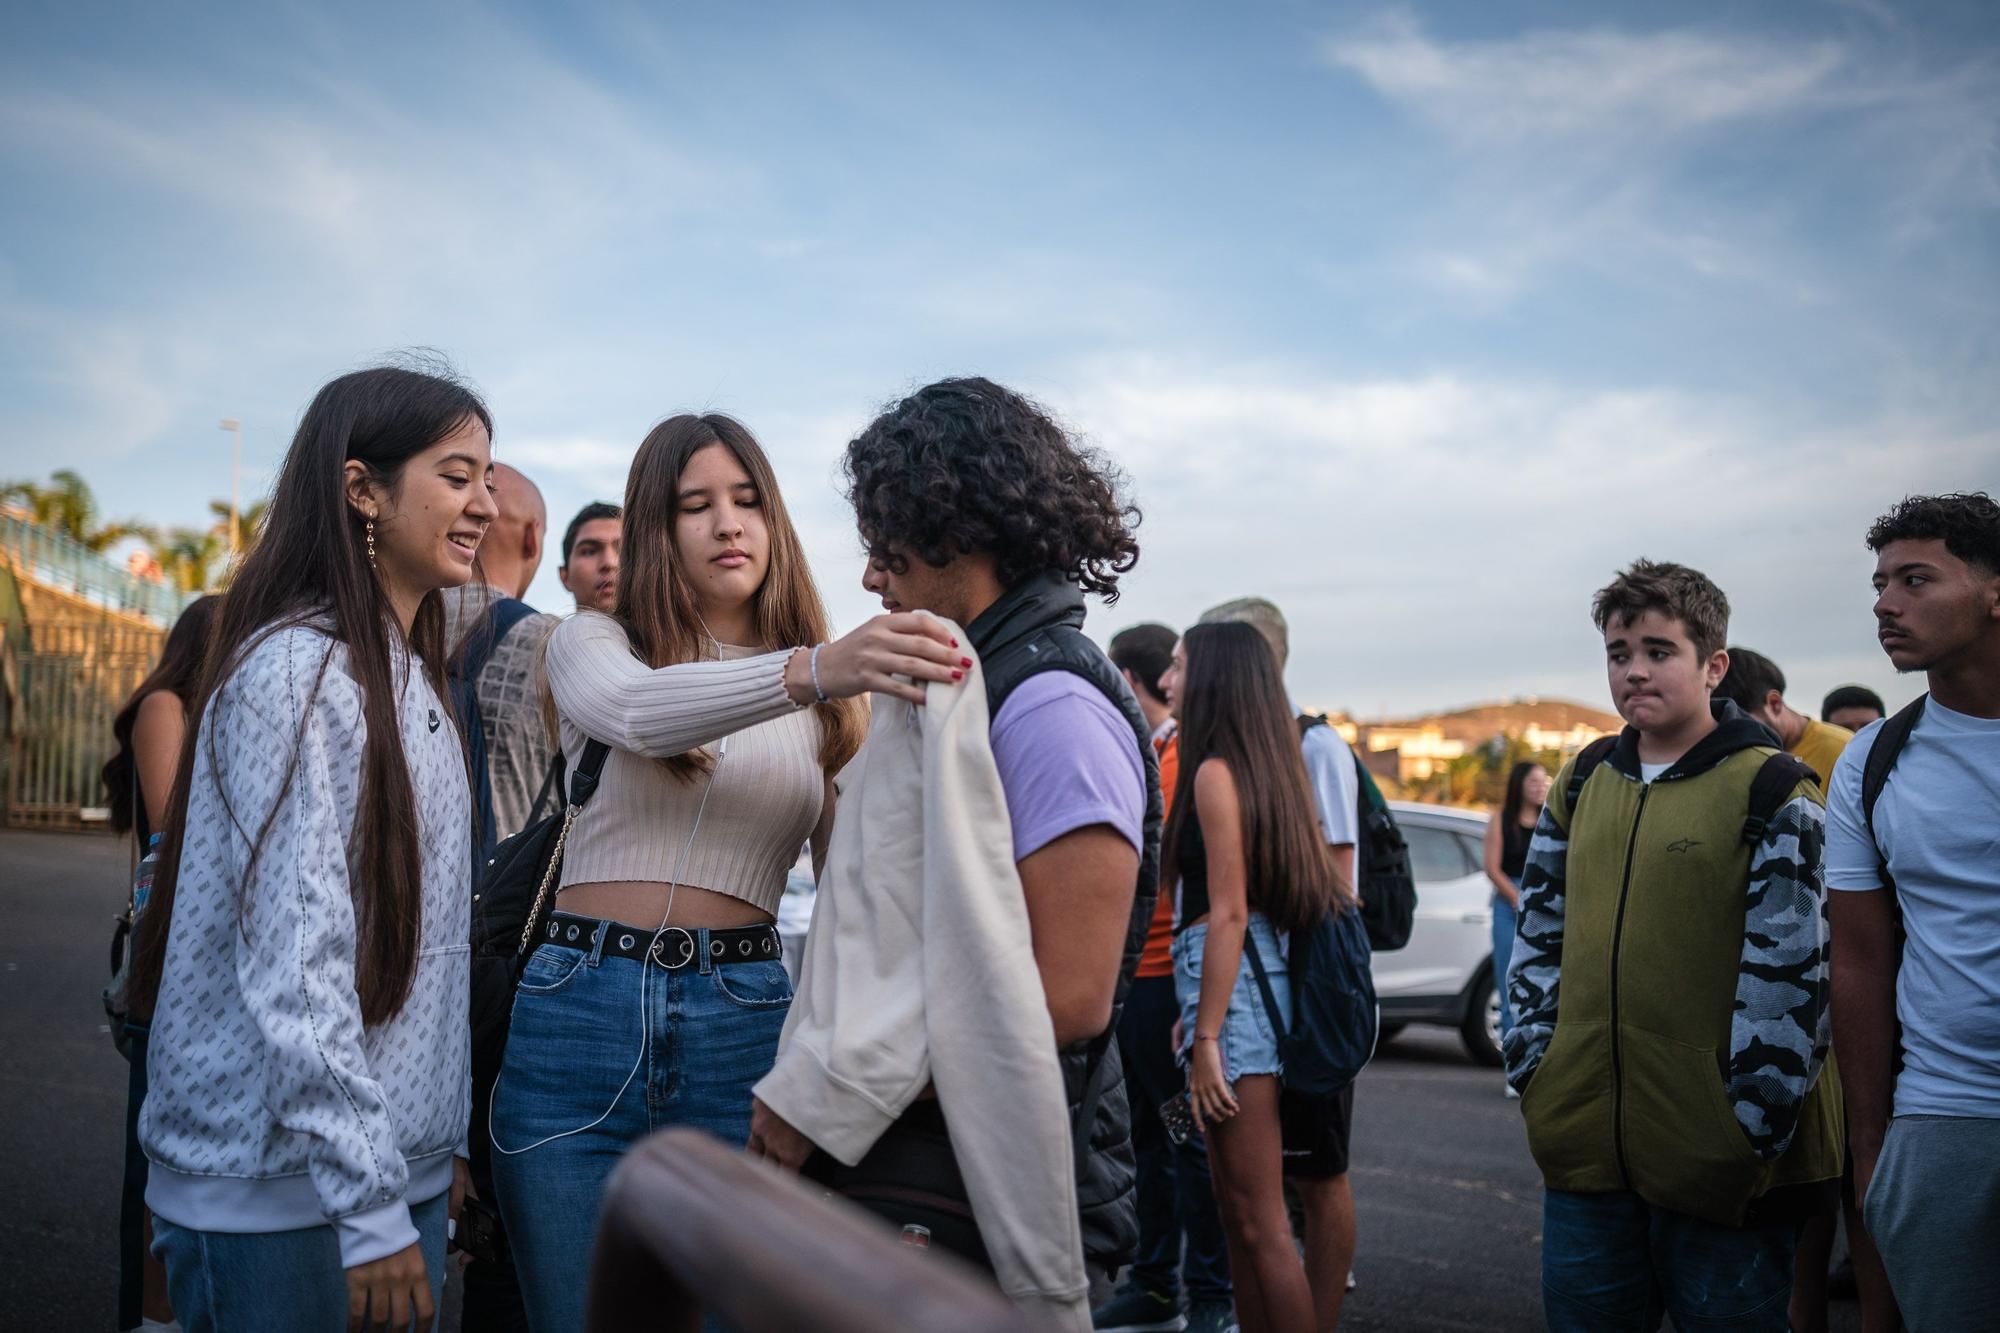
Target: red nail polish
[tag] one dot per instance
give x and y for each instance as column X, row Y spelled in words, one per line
column 965, row 661
column 958, row 675
column 954, row 643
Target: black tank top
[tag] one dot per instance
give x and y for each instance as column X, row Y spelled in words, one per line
column 1514, row 840
column 1191, row 849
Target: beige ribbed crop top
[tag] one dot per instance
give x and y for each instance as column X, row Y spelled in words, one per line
column 768, row 788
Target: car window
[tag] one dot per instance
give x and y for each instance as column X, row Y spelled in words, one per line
column 1436, row 854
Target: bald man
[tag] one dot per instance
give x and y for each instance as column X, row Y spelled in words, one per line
column 496, row 642
column 512, row 549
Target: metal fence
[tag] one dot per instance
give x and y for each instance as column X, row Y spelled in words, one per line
column 54, row 560
column 68, row 680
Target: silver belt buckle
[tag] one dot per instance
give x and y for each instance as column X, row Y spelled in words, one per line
column 687, row 947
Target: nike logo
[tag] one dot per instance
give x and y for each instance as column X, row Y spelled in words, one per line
column 436, row 721
column 1683, row 844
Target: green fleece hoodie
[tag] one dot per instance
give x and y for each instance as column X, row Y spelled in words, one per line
column 1670, row 984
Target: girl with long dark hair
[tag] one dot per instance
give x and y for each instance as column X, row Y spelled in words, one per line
column 305, row 956
column 139, row 779
column 1243, row 843
column 1508, row 834
column 657, row 994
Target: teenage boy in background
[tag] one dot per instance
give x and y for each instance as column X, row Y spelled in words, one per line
column 1852, row 706
column 1176, row 1195
column 1755, row 684
column 1670, row 991
column 1916, row 918
column 589, row 568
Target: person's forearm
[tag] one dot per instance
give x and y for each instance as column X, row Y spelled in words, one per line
column 1221, row 952
column 1864, row 1014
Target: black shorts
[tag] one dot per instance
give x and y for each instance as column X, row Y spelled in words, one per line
column 1316, row 1132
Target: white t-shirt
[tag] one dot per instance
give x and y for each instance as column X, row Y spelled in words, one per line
column 1938, row 822
column 1651, row 772
column 1330, row 768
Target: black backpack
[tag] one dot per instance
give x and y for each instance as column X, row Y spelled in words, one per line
column 516, row 887
column 1769, row 790
column 1383, row 878
column 1329, row 1037
column 1882, row 752
column 463, row 678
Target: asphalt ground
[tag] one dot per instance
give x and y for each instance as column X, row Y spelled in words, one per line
column 1448, row 1202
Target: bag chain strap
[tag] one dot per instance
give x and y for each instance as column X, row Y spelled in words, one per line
column 555, row 864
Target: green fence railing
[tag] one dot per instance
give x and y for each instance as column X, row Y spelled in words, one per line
column 55, row 560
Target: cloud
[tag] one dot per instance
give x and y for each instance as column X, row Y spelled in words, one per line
column 1587, row 83
column 1437, row 538
column 1618, row 154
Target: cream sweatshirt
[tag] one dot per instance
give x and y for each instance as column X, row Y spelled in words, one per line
column 918, row 969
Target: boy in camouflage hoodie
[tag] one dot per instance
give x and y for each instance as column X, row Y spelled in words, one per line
column 1670, row 989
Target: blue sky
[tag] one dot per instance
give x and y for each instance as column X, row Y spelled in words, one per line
column 1419, row 319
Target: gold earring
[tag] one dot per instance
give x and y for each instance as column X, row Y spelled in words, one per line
column 371, row 543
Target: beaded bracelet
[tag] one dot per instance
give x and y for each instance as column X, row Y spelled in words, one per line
column 812, row 662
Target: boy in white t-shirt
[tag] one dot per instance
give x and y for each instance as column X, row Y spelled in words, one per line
column 1926, row 1135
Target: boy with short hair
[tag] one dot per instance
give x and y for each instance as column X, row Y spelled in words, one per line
column 1755, row 684
column 1916, row 913
column 1670, row 991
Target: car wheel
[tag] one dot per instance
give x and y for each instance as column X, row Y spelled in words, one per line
column 1481, row 1028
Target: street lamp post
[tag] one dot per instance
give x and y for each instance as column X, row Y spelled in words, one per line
column 235, row 428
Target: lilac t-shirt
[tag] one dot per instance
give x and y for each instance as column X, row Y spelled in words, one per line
column 1067, row 760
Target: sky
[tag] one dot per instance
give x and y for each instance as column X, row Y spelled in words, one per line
column 1421, row 320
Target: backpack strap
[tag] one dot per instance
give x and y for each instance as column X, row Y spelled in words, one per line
column 1882, row 752
column 1586, row 763
column 589, row 765
column 1278, row 1023
column 1770, row 789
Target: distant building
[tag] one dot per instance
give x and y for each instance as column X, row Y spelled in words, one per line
column 1414, row 749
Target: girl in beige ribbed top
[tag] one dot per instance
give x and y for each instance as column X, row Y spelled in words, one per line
column 656, row 994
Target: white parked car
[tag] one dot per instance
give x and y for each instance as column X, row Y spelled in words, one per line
column 1445, row 974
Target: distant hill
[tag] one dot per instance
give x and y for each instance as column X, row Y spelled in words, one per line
column 1511, row 717
column 1410, row 750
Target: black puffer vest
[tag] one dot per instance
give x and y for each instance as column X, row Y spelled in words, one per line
column 1038, row 626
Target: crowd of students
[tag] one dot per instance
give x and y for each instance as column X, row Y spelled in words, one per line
column 1031, row 1024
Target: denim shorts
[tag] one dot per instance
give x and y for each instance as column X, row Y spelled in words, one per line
column 1249, row 1042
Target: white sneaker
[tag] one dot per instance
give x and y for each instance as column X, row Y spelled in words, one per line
column 1512, row 1095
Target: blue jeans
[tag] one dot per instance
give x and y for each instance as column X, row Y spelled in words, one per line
column 1503, row 954
column 1175, row 1193
column 1613, row 1262
column 275, row 1281
column 586, row 1077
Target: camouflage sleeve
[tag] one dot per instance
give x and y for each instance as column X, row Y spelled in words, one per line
column 1536, row 969
column 1782, row 1025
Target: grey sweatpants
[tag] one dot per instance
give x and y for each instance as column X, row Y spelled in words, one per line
column 1933, row 1208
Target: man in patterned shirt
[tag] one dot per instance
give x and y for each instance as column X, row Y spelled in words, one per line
column 1670, row 989
column 509, row 686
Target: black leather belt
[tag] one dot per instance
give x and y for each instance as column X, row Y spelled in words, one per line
column 677, row 946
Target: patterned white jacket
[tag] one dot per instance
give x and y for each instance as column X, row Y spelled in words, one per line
column 270, row 1106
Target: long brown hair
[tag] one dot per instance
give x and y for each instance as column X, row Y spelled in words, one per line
column 656, row 604
column 178, row 672
column 311, row 567
column 1232, row 703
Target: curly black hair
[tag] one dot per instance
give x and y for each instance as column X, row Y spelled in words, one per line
column 1967, row 522
column 965, row 465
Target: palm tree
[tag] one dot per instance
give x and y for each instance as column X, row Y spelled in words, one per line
column 248, row 520
column 68, row 506
column 188, row 557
